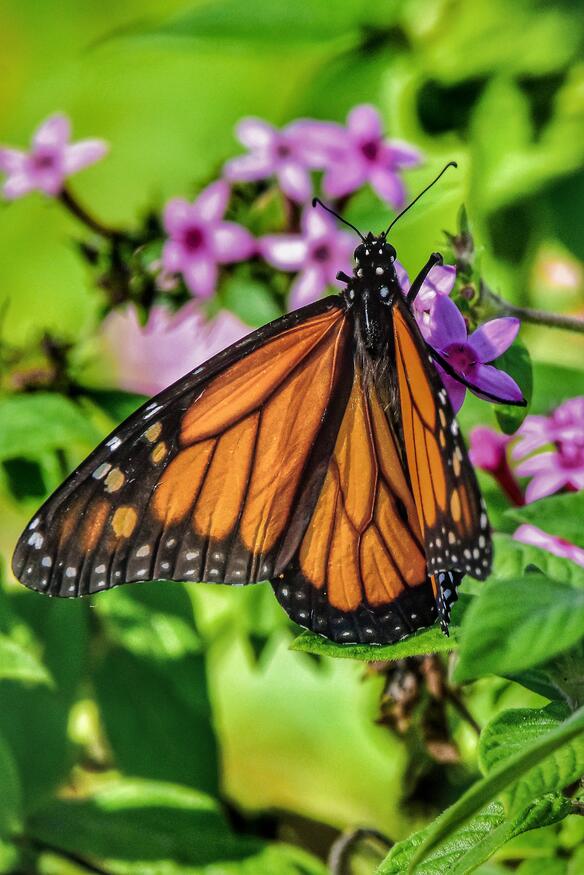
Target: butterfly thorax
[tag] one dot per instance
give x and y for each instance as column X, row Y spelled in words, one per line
column 370, row 293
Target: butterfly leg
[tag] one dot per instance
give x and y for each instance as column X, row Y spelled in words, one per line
column 445, row 587
column 415, row 287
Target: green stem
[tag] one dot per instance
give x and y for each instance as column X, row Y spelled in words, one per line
column 528, row 314
column 75, row 208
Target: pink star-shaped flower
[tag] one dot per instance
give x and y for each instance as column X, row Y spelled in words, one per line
column 51, row 160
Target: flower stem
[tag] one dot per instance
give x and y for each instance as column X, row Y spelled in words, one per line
column 527, row 314
column 74, row 207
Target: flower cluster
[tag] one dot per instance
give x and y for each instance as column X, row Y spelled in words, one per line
column 547, row 449
column 199, row 242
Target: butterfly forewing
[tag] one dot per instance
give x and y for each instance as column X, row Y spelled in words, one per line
column 212, row 480
column 450, row 508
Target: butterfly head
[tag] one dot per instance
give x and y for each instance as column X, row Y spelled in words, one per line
column 374, row 274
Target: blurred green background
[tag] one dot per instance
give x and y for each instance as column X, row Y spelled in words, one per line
column 195, row 686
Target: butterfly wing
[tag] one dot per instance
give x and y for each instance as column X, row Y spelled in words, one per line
column 360, row 571
column 215, row 479
column 451, row 512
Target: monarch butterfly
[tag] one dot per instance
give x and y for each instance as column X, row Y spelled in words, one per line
column 320, row 453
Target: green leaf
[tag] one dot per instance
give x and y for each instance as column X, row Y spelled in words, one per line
column 561, row 679
column 16, row 663
column 265, row 22
column 476, row 840
column 117, row 404
column 501, row 778
column 559, row 515
column 511, row 732
column 518, row 623
column 517, row 363
column 157, row 718
column 250, row 301
column 552, row 866
column 10, row 793
column 140, row 822
column 30, row 425
column 513, row 557
column 154, row 620
column 430, row 640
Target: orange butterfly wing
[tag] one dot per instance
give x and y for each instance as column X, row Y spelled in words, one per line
column 214, row 480
column 451, row 511
column 360, row 571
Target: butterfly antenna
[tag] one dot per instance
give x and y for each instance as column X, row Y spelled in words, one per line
column 317, row 200
column 423, row 192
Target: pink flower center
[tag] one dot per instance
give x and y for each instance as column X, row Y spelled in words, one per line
column 571, row 453
column 283, row 151
column 44, row 160
column 193, row 239
column 370, row 149
column 321, row 253
column 461, row 356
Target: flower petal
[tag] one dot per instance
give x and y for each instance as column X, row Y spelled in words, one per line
column 495, row 382
column 17, row 185
column 232, row 242
column 178, row 215
column 343, row 178
column 200, row 277
column 542, row 462
column 545, row 484
column 388, row 186
column 494, row 337
column 295, row 181
column 306, row 288
column 529, row 534
column 284, row 251
column 54, row 131
column 173, row 256
column 315, row 222
column 212, row 202
column 535, row 432
column 12, row 160
column 488, row 448
column 82, row 154
column 456, row 390
column 50, row 181
column 447, row 324
column 256, row 133
column 440, row 280
column 318, row 143
column 249, row 168
column 364, row 122
column 402, row 154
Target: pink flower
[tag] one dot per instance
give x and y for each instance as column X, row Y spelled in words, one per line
column 52, row 158
column 469, row 356
column 562, row 466
column 147, row 359
column 199, row 241
column 529, row 534
column 272, row 153
column 440, row 281
column 488, row 451
column 317, row 254
column 360, row 154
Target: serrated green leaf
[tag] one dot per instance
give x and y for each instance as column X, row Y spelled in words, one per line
column 561, row 679
column 511, row 732
column 512, row 557
column 475, row 841
column 430, row 640
column 30, row 425
column 18, row 664
column 559, row 515
column 516, row 362
column 518, row 623
column 500, row 779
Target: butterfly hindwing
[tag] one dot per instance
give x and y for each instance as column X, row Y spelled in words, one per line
column 360, row 571
column 450, row 508
column 214, row 479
